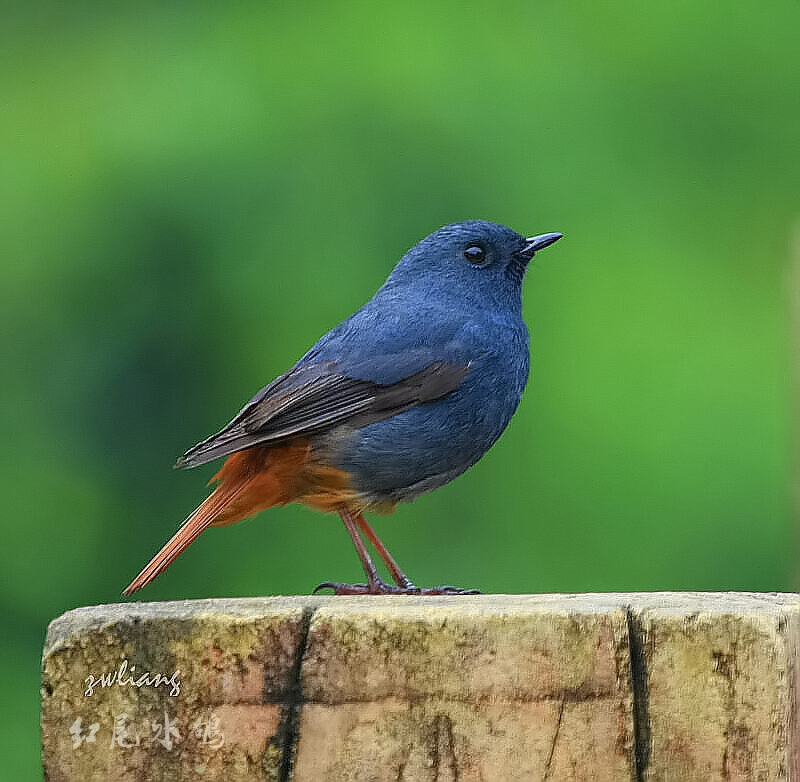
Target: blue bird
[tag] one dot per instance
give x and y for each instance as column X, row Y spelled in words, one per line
column 399, row 399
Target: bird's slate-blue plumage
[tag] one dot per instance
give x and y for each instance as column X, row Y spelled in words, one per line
column 435, row 306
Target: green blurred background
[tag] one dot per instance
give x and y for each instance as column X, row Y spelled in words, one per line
column 192, row 194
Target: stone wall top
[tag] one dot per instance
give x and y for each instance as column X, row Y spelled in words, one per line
column 489, row 687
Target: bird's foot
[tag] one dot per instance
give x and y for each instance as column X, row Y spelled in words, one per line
column 379, row 587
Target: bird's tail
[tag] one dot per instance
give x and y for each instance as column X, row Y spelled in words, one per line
column 247, row 483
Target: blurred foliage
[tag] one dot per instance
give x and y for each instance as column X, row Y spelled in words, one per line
column 193, row 193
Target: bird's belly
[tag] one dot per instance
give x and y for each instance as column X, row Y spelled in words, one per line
column 399, row 458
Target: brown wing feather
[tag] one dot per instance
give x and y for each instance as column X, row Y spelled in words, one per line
column 313, row 398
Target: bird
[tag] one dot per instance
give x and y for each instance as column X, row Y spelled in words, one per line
column 397, row 400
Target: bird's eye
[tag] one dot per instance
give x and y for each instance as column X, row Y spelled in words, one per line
column 475, row 254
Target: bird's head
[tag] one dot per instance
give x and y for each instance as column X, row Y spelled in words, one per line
column 474, row 259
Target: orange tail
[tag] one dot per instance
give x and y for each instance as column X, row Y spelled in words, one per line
column 248, row 482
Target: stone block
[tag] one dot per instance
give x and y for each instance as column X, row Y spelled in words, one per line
column 721, row 686
column 169, row 691
column 639, row 687
column 482, row 688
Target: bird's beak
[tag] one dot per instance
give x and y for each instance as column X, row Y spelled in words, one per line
column 536, row 243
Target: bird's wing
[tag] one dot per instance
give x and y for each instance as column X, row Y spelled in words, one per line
column 313, row 397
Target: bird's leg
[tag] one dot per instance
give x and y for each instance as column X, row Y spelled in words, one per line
column 375, row 585
column 400, row 578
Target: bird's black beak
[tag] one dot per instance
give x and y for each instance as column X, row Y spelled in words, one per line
column 536, row 243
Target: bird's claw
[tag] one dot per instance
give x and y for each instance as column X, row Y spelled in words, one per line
column 450, row 590
column 342, row 589
column 382, row 588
